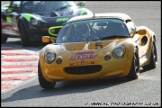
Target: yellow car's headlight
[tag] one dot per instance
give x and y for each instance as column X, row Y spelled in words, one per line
column 118, row 52
column 50, row 56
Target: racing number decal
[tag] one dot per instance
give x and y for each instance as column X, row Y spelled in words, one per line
column 61, row 19
column 98, row 44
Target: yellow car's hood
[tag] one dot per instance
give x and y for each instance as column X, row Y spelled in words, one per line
column 90, row 52
column 76, row 46
column 95, row 46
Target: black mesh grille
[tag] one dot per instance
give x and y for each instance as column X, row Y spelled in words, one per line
column 83, row 69
column 57, row 30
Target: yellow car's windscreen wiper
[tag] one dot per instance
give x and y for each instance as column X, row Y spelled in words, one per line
column 114, row 36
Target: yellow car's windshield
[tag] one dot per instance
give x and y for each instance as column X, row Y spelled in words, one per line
column 92, row 30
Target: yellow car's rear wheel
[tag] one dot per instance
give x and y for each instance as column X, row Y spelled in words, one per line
column 153, row 59
column 42, row 81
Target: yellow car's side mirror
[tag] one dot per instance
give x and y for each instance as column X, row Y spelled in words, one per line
column 47, row 39
column 52, row 39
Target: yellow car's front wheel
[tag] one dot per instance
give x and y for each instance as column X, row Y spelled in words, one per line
column 42, row 81
column 135, row 67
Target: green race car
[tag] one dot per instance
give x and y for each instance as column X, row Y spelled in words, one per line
column 30, row 20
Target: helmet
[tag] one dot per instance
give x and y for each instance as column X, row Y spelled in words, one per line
column 81, row 32
column 82, row 29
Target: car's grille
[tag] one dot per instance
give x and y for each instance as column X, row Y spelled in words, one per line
column 83, row 69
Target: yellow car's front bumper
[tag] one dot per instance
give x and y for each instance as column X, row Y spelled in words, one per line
column 104, row 69
column 89, row 62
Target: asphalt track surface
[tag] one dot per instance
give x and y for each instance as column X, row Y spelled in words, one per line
column 145, row 91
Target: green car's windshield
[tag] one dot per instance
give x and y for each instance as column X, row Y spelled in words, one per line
column 92, row 30
column 44, row 6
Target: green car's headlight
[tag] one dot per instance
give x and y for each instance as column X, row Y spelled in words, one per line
column 35, row 21
column 118, row 52
column 52, row 31
column 50, row 56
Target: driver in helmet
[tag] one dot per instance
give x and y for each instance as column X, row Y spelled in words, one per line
column 82, row 32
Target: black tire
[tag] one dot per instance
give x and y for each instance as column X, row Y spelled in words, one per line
column 135, row 67
column 25, row 41
column 3, row 37
column 42, row 81
column 153, row 59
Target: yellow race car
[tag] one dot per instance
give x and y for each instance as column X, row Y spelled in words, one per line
column 103, row 45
